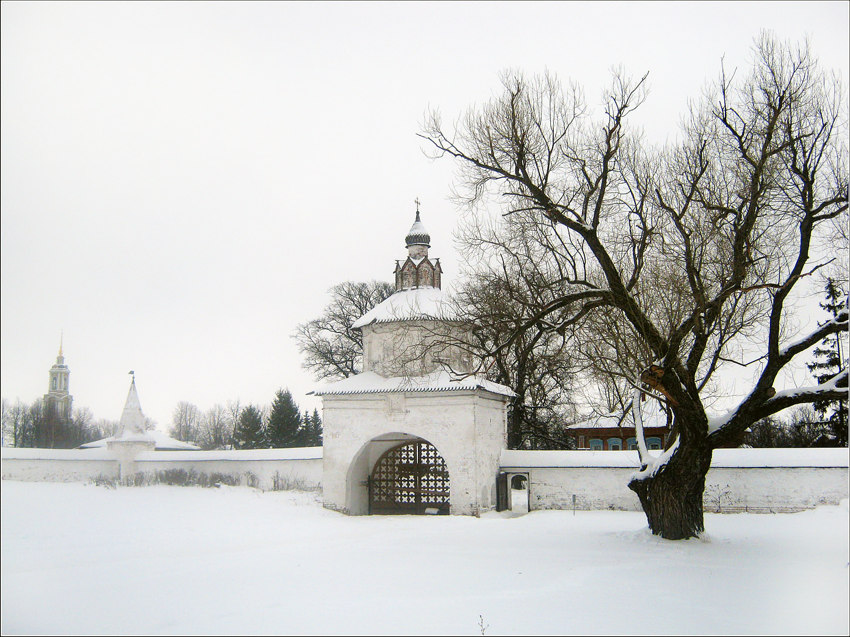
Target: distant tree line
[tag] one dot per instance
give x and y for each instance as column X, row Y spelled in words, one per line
column 803, row 427
column 223, row 426
column 31, row 425
column 234, row 426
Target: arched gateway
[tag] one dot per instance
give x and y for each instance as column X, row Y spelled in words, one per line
column 417, row 394
column 410, row 478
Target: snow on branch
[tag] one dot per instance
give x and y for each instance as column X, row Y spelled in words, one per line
column 783, row 399
column 836, row 324
column 837, row 382
column 655, row 465
column 649, row 465
column 638, row 418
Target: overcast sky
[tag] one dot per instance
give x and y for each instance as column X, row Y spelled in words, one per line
column 183, row 182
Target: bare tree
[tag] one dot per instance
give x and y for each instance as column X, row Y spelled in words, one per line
column 17, row 424
column 104, row 428
column 184, row 422
column 234, row 409
column 331, row 348
column 697, row 248
column 494, row 301
column 80, row 427
column 215, row 430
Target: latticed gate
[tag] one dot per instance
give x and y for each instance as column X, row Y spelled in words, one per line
column 410, row 478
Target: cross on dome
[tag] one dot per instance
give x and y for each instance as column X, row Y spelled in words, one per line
column 418, row 235
column 418, row 270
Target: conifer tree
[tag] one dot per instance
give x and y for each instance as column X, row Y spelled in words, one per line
column 306, row 430
column 249, row 432
column 316, row 429
column 312, row 429
column 829, row 361
column 285, row 425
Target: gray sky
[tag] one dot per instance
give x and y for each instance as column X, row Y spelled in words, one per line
column 183, row 182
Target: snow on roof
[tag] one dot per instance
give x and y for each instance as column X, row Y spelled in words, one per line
column 441, row 380
column 295, row 453
column 417, row 234
column 813, row 457
column 161, row 440
column 132, row 418
column 652, row 416
column 408, row 305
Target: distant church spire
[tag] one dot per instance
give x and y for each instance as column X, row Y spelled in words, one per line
column 58, row 399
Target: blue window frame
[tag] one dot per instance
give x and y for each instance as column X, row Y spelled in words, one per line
column 615, row 444
column 595, row 444
column 653, row 443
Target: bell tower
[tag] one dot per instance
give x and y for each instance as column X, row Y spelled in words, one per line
column 418, row 270
column 58, row 398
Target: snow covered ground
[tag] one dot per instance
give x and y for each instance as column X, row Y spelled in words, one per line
column 85, row 559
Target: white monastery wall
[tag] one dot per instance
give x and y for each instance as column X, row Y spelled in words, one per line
column 758, row 480
column 57, row 465
column 462, row 425
column 290, row 468
column 265, row 469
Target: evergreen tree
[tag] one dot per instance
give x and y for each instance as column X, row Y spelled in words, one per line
column 316, row 429
column 312, row 429
column 306, row 430
column 285, row 425
column 829, row 361
column 249, row 432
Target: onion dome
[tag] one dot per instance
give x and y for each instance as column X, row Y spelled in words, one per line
column 418, row 235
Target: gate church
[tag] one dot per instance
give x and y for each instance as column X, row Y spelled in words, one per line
column 414, row 432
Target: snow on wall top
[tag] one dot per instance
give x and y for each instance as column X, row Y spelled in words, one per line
column 161, row 440
column 426, row 303
column 27, row 453
column 295, row 453
column 189, row 453
column 370, row 383
column 815, row 457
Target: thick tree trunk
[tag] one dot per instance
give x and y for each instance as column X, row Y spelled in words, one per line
column 515, row 428
column 672, row 499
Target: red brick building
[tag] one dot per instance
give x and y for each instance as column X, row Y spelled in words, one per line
column 615, row 431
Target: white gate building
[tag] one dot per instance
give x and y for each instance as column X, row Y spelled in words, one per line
column 415, row 432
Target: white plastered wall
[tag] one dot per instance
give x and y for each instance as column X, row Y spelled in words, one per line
column 263, row 473
column 755, row 480
column 299, row 468
column 466, row 427
column 58, row 465
column 412, row 348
